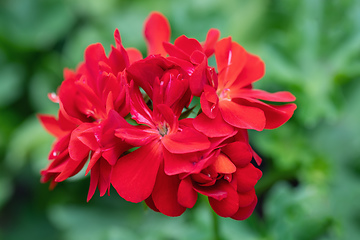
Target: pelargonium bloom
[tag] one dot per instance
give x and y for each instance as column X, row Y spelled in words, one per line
column 233, row 103
column 164, row 157
column 160, row 136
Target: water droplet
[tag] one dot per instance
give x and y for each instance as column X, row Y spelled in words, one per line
column 55, row 153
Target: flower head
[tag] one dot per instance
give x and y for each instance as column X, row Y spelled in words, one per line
column 127, row 117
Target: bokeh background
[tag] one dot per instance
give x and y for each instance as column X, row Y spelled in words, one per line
column 311, row 170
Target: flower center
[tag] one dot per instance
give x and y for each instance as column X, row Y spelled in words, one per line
column 163, row 129
column 225, row 95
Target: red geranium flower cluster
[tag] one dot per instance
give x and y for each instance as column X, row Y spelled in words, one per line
column 166, row 159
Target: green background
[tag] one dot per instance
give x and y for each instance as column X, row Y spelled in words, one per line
column 311, row 170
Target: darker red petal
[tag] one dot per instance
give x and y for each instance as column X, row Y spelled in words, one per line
column 134, row 175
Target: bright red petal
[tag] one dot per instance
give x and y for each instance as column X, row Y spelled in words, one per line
column 211, row 39
column 51, row 125
column 242, row 116
column 179, row 163
column 263, row 95
column 253, row 70
column 245, row 212
column 134, row 175
column 276, row 115
column 247, row 177
column 188, row 140
column 230, row 59
column 187, row 196
column 209, row 102
column 206, row 125
column 77, row 149
column 165, row 196
column 238, row 152
column 157, row 31
column 227, row 206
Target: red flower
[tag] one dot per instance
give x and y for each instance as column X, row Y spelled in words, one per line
column 165, row 159
column 234, row 103
column 86, row 97
column 160, row 136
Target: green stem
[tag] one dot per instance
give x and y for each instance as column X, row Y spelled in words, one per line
column 216, row 226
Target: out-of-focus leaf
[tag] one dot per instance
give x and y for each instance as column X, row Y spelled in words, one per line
column 25, row 140
column 34, row 24
column 289, row 211
column 10, row 83
column 6, row 189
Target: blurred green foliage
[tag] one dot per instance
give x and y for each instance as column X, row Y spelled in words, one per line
column 310, row 187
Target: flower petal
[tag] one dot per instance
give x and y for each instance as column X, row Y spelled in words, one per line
column 188, row 140
column 247, row 177
column 211, row 39
column 157, row 31
column 179, row 163
column 253, row 70
column 238, row 152
column 206, row 125
column 263, row 95
column 276, row 115
column 228, row 206
column 165, row 194
column 245, row 212
column 242, row 116
column 230, row 59
column 134, row 175
column 209, row 102
column 187, row 196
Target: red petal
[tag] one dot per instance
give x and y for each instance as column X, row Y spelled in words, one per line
column 72, row 167
column 135, row 136
column 246, row 198
column 242, row 116
column 179, row 163
column 253, row 70
column 230, row 59
column 245, row 212
column 188, row 140
column 100, row 177
column 157, row 31
column 139, row 110
column 150, row 203
column 209, row 102
column 165, row 196
column 134, row 175
column 94, row 53
column 212, row 127
column 247, row 177
column 238, row 152
column 276, row 115
column 187, row 196
column 263, row 95
column 134, row 55
column 227, row 206
column 223, row 165
column 188, row 45
column 51, row 125
column 77, row 149
column 211, row 39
